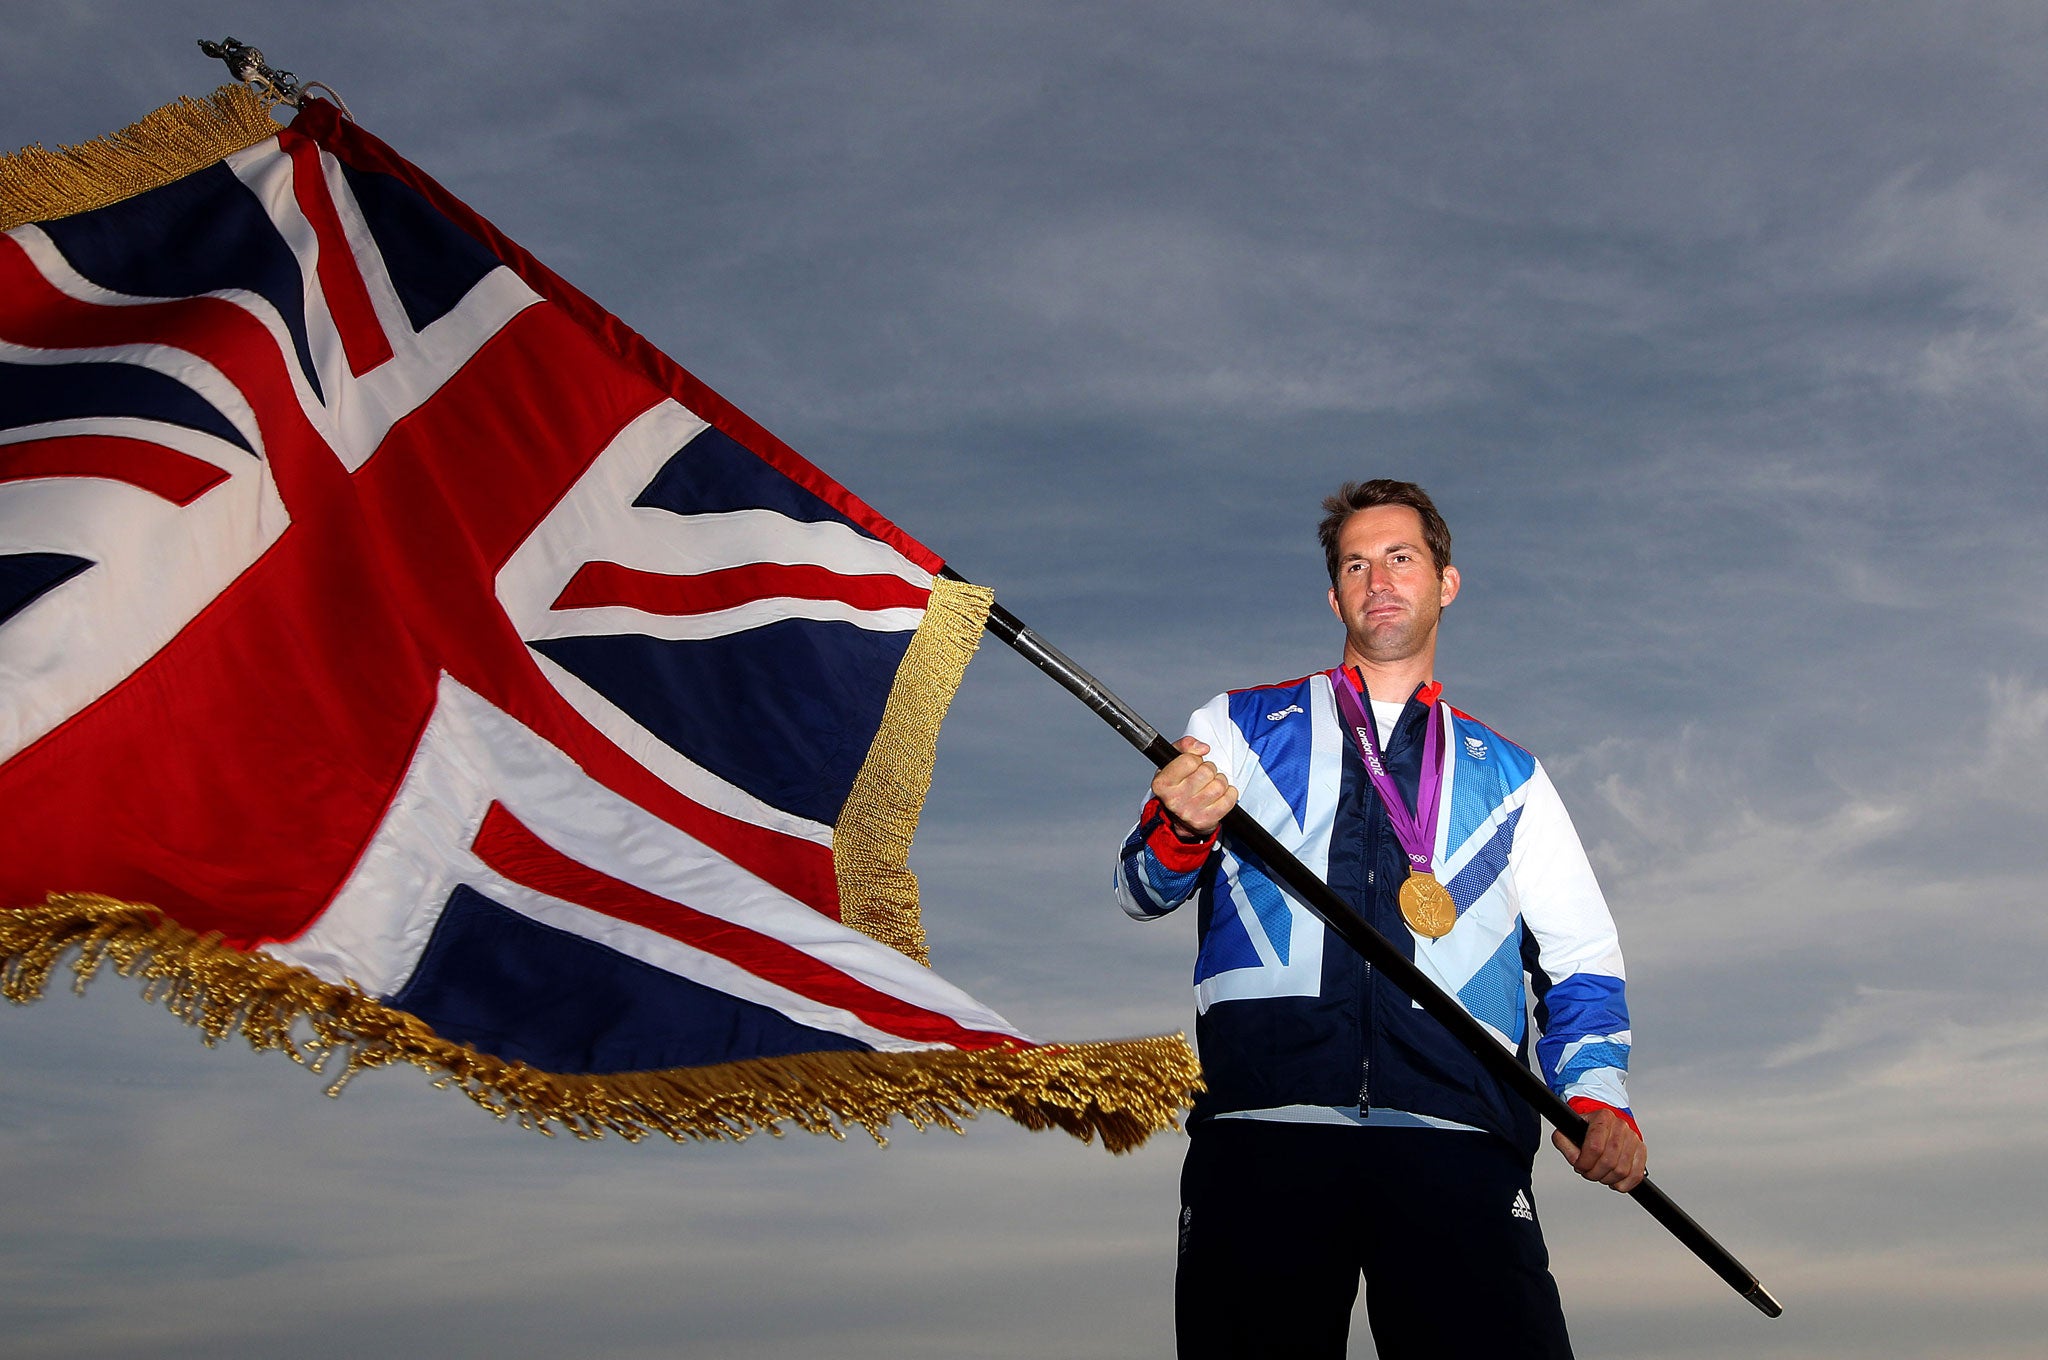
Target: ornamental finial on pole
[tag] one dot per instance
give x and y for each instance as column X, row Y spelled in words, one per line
column 246, row 64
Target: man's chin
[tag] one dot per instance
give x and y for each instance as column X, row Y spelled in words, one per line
column 1381, row 645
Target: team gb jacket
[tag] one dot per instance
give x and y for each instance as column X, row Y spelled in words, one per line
column 1289, row 1015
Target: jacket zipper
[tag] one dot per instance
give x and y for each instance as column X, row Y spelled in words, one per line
column 1365, row 1017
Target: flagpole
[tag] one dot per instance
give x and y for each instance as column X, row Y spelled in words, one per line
column 1339, row 915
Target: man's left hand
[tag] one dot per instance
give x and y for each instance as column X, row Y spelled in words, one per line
column 1613, row 1153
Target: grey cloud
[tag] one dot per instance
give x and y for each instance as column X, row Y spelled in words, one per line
column 1715, row 329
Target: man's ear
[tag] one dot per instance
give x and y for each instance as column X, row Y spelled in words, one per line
column 1447, row 585
column 1333, row 605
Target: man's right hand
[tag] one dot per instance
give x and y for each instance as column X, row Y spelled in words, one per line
column 1195, row 795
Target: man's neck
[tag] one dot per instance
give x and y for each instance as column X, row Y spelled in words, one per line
column 1391, row 682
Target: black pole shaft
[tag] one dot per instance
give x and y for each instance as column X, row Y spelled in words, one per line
column 1253, row 840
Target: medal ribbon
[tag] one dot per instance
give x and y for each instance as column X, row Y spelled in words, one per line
column 1416, row 831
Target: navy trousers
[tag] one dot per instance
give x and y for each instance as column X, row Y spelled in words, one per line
column 1279, row 1222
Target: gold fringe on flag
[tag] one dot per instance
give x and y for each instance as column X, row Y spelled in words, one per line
column 1120, row 1092
column 871, row 843
column 176, row 140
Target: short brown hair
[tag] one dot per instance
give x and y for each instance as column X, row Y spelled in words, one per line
column 1355, row 496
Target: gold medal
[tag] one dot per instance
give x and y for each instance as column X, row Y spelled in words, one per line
column 1426, row 905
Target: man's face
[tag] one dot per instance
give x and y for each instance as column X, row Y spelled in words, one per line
column 1388, row 593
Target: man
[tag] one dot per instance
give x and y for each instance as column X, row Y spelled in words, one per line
column 1343, row 1131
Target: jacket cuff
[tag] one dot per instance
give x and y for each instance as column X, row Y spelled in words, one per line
column 1585, row 1105
column 1174, row 854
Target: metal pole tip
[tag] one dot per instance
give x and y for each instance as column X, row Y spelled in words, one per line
column 1761, row 1297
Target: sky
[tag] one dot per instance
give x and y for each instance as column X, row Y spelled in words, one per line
column 1717, row 332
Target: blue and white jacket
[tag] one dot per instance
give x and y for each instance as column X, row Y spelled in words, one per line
column 1289, row 1016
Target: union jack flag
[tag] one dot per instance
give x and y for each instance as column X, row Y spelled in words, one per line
column 372, row 599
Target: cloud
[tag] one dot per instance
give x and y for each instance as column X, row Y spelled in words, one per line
column 1717, row 330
